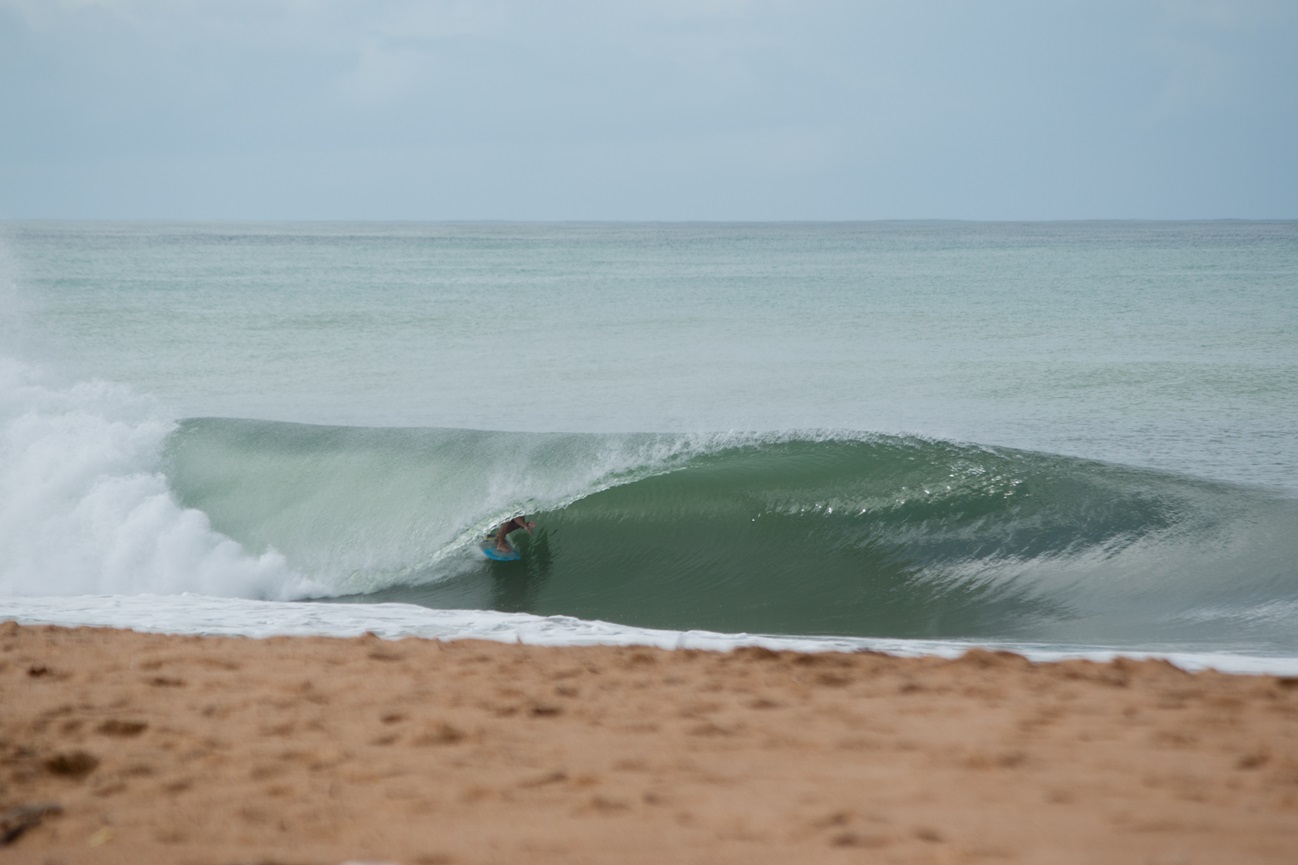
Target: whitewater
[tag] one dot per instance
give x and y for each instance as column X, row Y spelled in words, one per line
column 1062, row 438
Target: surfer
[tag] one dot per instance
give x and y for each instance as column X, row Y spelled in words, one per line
column 513, row 525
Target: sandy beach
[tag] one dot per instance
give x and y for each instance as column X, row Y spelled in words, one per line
column 124, row 747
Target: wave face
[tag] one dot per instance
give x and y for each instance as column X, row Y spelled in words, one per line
column 822, row 533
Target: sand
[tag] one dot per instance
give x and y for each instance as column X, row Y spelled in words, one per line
column 124, row 747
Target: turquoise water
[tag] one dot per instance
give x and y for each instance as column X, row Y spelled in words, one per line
column 1050, row 432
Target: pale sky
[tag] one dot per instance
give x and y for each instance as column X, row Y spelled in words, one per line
column 648, row 109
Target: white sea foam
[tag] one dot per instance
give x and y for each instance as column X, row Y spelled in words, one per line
column 84, row 507
column 194, row 614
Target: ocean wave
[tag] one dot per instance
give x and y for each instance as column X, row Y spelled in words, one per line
column 794, row 532
column 824, row 532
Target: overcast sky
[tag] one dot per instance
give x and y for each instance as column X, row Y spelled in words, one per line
column 648, row 109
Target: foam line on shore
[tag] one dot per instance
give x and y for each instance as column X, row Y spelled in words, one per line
column 207, row 616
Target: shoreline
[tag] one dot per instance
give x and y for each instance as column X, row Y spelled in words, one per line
column 327, row 749
column 188, row 615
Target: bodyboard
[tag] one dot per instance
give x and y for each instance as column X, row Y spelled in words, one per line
column 488, row 547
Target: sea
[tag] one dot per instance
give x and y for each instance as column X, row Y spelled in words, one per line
column 1065, row 439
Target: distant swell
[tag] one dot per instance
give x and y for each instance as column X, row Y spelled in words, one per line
column 793, row 533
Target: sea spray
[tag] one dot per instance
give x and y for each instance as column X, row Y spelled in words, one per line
column 84, row 507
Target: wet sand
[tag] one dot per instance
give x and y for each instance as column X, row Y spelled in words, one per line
column 125, row 747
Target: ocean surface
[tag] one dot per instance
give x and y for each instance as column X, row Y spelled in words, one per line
column 1060, row 438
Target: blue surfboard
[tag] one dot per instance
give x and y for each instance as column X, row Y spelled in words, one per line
column 489, row 550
